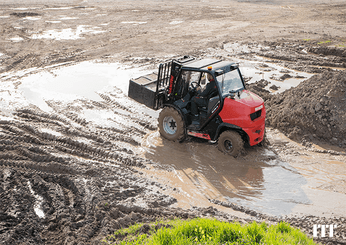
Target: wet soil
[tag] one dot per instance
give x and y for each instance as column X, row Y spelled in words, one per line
column 80, row 159
column 312, row 111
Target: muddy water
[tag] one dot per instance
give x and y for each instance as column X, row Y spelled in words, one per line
column 324, row 173
column 282, row 183
column 251, row 181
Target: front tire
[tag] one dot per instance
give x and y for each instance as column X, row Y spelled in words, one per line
column 265, row 141
column 231, row 143
column 171, row 124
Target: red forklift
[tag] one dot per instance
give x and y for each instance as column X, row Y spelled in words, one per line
column 231, row 115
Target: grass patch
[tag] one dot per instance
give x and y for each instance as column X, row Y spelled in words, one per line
column 306, row 40
column 208, row 231
column 322, row 42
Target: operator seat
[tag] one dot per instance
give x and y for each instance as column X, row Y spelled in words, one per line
column 212, row 102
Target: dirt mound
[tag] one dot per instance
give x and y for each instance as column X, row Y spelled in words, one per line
column 315, row 109
column 258, row 88
column 335, row 51
column 307, row 56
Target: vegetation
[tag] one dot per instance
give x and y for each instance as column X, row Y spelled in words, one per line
column 208, row 231
column 328, row 41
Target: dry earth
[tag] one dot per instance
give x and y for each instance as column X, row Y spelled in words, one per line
column 67, row 180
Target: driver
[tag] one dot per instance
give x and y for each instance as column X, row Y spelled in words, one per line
column 202, row 98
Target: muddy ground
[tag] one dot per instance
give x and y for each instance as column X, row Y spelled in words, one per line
column 75, row 170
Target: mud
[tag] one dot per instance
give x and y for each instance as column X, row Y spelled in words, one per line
column 56, row 189
column 79, row 159
column 312, row 111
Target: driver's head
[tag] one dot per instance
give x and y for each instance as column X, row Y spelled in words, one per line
column 210, row 77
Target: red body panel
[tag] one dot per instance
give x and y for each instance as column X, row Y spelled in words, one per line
column 199, row 135
column 237, row 112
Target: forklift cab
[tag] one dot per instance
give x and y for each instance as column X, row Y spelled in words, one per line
column 195, row 76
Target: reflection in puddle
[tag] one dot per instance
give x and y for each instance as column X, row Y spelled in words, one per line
column 80, row 81
column 273, row 187
column 281, row 190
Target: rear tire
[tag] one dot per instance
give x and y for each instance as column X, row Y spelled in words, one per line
column 171, row 124
column 231, row 143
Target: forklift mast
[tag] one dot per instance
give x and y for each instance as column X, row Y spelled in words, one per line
column 156, row 89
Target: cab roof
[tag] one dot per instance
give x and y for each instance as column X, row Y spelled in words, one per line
column 203, row 64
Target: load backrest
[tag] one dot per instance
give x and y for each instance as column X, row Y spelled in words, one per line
column 164, row 75
column 166, row 79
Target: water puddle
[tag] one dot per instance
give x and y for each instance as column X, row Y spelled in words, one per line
column 16, row 39
column 133, row 22
column 202, row 173
column 176, row 22
column 38, row 203
column 68, row 18
column 68, row 34
column 330, row 67
column 59, row 8
column 106, row 118
column 53, row 21
column 277, row 76
column 252, row 183
column 32, row 18
column 21, row 9
column 80, row 81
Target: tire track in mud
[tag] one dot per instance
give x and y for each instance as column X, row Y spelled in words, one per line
column 79, row 208
column 63, row 176
column 132, row 116
column 64, row 144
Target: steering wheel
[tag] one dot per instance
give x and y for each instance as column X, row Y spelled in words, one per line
column 194, row 85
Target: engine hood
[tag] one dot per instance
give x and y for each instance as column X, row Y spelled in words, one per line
column 249, row 99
